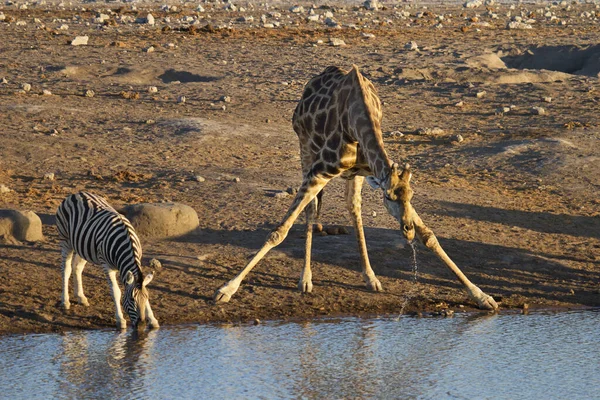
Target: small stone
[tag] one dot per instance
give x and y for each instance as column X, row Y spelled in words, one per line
column 63, row 27
column 149, row 49
column 26, row 87
column 118, row 44
column 150, row 122
column 296, row 9
column 281, row 195
column 256, row 321
column 518, row 25
column 4, row 81
column 481, row 94
column 412, row 46
column 236, row 180
column 225, row 99
column 199, row 178
column 337, row 42
column 49, row 176
column 455, row 139
column 373, row 213
column 155, row 264
column 46, row 92
column 152, row 89
column 80, row 41
column 4, row 189
column 459, row 104
column 89, row 93
column 150, row 19
column 548, row 99
column 538, row 111
column 181, row 100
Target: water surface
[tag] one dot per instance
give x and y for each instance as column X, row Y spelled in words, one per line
column 536, row 356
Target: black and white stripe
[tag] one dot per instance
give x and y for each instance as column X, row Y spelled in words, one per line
column 91, row 230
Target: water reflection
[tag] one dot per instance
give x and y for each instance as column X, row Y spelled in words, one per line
column 104, row 364
column 477, row 356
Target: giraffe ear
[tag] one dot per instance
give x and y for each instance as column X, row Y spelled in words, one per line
column 373, row 182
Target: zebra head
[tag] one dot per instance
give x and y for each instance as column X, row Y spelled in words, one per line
column 135, row 300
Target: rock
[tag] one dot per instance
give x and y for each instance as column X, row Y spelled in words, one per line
column 199, row 178
column 281, row 195
column 49, row 176
column 473, row 4
column 337, row 42
column 455, row 139
column 46, row 92
column 89, row 93
column 181, row 99
column 149, row 19
column 20, row 226
column 26, row 87
column 80, row 41
column 149, row 49
column 4, row 81
column 161, row 220
column 372, row 5
column 412, row 46
column 481, row 94
column 4, row 189
column 518, row 25
column 152, row 89
column 548, row 99
column 538, row 111
column 63, row 27
column 296, row 9
column 155, row 265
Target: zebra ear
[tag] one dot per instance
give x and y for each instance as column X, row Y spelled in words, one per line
column 129, row 278
column 148, row 279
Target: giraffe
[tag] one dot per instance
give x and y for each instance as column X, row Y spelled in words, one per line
column 338, row 123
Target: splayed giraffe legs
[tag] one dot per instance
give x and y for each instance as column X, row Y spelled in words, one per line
column 428, row 238
column 306, row 194
column 354, row 202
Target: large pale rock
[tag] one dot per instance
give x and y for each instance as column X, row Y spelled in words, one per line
column 17, row 226
column 161, row 220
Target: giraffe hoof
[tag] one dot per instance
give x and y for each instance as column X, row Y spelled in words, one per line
column 66, row 305
column 84, row 301
column 305, row 286
column 374, row 285
column 221, row 297
column 121, row 324
column 154, row 324
column 488, row 303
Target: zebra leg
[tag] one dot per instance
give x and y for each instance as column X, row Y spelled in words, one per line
column 79, row 264
column 67, row 257
column 116, row 294
column 150, row 317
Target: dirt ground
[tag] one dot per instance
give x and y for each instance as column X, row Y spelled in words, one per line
column 516, row 203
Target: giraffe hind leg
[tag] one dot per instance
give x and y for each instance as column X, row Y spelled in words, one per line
column 305, row 284
column 307, row 192
column 353, row 202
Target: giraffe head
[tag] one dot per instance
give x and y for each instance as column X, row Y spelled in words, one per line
column 397, row 195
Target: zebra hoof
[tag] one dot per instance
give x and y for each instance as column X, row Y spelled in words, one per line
column 121, row 325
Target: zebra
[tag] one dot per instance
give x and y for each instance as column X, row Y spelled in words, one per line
column 91, row 230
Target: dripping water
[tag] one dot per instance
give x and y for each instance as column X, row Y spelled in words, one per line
column 411, row 293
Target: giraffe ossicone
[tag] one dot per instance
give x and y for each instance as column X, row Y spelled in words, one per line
column 338, row 123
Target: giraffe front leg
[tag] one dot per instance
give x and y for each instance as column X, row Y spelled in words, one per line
column 353, row 202
column 305, row 284
column 306, row 193
column 67, row 259
column 79, row 265
column 116, row 294
column 428, row 238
